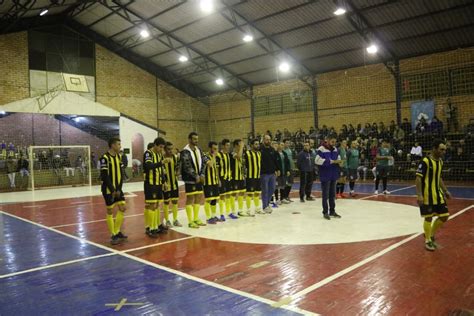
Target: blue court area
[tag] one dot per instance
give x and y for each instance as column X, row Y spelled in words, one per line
column 85, row 287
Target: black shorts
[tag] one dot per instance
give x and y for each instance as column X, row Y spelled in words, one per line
column 382, row 171
column 226, row 187
column 172, row 195
column 434, row 210
column 153, row 193
column 111, row 202
column 238, row 186
column 211, row 192
column 253, row 185
column 193, row 188
column 352, row 174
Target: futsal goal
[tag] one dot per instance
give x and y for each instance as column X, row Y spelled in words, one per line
column 59, row 166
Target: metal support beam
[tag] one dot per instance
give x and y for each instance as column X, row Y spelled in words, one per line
column 252, row 112
column 398, row 91
column 15, row 13
column 314, row 101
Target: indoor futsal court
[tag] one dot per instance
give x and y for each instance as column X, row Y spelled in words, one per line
column 237, row 157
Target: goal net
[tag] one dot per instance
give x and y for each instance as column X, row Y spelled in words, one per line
column 59, row 166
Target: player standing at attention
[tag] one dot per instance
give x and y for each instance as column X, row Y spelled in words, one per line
column 253, row 164
column 383, row 166
column 111, row 175
column 193, row 170
column 341, row 182
column 353, row 165
column 238, row 180
column 225, row 178
column 432, row 193
column 211, row 184
column 171, row 194
column 154, row 178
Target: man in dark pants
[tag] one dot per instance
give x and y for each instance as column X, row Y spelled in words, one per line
column 305, row 166
column 329, row 161
column 269, row 171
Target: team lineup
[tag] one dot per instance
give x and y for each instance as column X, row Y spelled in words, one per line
column 229, row 175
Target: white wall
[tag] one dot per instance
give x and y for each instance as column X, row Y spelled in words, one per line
column 128, row 128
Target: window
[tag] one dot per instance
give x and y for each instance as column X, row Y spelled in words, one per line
column 295, row 101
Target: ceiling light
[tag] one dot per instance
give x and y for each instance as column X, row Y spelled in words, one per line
column 77, row 119
column 340, row 11
column 206, row 6
column 372, row 49
column 43, row 12
column 3, row 112
column 219, row 81
column 183, row 58
column 248, row 38
column 284, row 67
column 144, row 33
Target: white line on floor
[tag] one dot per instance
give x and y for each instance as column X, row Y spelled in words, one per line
column 33, row 206
column 159, row 244
column 80, row 202
column 288, row 300
column 374, row 195
column 177, row 272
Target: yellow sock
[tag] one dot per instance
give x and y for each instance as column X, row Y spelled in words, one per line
column 214, row 210
column 436, row 224
column 248, row 201
column 227, row 205
column 110, row 224
column 232, row 203
column 207, row 209
column 147, row 218
column 196, row 211
column 427, row 229
column 157, row 218
column 240, row 202
column 166, row 210
column 175, row 212
column 152, row 219
column 118, row 222
column 256, row 201
column 189, row 213
column 221, row 206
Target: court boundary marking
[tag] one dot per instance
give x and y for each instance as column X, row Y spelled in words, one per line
column 170, row 270
column 288, row 299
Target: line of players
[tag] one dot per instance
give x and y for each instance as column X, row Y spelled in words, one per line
column 215, row 177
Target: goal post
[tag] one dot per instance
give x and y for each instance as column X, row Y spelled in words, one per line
column 60, row 166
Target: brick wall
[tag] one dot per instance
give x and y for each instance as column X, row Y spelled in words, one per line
column 14, row 78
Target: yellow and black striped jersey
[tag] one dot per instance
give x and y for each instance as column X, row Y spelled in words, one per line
column 237, row 168
column 112, row 164
column 171, row 169
column 223, row 165
column 253, row 164
column 430, row 172
column 153, row 172
column 212, row 177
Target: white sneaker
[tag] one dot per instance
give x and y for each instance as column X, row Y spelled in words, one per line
column 376, row 192
column 285, row 202
column 260, row 211
column 279, row 202
column 268, row 210
column 386, row 192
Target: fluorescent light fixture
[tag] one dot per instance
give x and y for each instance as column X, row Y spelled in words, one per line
column 372, row 49
column 3, row 112
column 183, row 58
column 248, row 38
column 144, row 33
column 340, row 11
column 219, row 81
column 207, row 6
column 284, row 67
column 43, row 12
column 77, row 119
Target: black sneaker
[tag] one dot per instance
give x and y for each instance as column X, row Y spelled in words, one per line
column 149, row 232
column 162, row 229
column 326, row 216
column 335, row 215
column 310, row 198
column 429, row 246
column 433, row 241
column 115, row 240
column 302, row 200
column 121, row 235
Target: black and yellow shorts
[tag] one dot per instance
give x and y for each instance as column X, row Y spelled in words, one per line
column 211, row 192
column 153, row 193
column 226, row 187
column 111, row 202
column 439, row 210
column 238, row 186
column 172, row 195
column 193, row 188
column 253, row 185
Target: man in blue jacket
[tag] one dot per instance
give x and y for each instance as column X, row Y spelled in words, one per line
column 328, row 161
column 305, row 166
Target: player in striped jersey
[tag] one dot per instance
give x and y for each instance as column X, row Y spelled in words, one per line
column 111, row 175
column 432, row 193
column 238, row 180
column 154, row 176
column 253, row 164
column 171, row 192
column 211, row 184
column 225, row 178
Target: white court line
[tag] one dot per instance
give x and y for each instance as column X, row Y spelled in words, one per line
column 374, row 195
column 159, row 244
column 54, row 265
column 80, row 202
column 288, row 300
column 33, row 206
column 177, row 272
